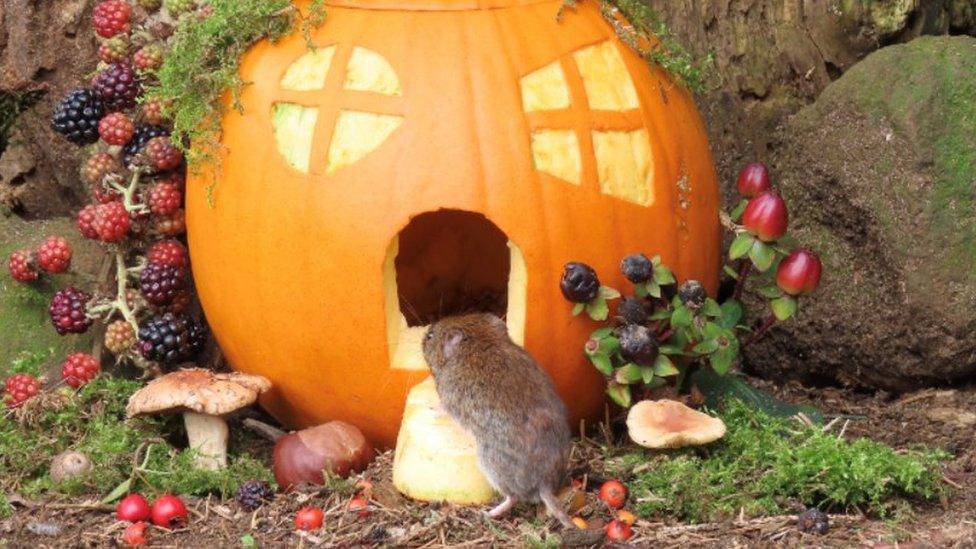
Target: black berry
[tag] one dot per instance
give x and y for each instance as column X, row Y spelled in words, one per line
column 637, row 344
column 634, row 310
column 692, row 294
column 143, row 134
column 637, row 268
column 170, row 338
column 77, row 116
column 118, row 86
column 160, row 283
column 254, row 493
column 68, row 311
column 813, row 521
column 579, row 283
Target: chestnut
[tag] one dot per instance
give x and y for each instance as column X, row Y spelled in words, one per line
column 337, row 447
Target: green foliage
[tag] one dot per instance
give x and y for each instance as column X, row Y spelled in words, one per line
column 12, row 105
column 764, row 464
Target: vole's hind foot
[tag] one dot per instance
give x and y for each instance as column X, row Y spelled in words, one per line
column 502, row 508
column 555, row 509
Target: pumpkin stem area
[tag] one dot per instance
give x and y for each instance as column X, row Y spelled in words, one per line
column 446, row 263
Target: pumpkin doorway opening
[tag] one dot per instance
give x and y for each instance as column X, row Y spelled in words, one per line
column 445, row 263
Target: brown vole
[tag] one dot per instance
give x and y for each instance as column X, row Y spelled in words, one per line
column 494, row 389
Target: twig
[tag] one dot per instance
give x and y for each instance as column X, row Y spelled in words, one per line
column 267, row 431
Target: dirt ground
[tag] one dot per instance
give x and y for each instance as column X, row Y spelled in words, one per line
column 943, row 418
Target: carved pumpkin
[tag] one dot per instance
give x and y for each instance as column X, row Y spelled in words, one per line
column 430, row 157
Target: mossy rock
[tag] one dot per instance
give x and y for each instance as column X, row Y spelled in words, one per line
column 25, row 327
column 881, row 175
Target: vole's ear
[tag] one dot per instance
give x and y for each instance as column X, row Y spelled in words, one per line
column 450, row 342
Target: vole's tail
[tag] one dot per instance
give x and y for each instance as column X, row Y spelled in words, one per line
column 555, row 509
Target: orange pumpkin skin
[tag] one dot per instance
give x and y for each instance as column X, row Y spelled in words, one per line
column 289, row 265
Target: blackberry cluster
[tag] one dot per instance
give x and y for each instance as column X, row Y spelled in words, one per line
column 253, row 494
column 118, row 86
column 68, row 312
column 579, row 283
column 77, row 116
column 143, row 134
column 160, row 283
column 170, row 338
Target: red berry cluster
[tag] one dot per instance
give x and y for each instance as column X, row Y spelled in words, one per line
column 78, row 369
column 52, row 256
column 20, row 388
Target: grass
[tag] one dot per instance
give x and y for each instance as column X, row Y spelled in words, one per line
column 766, row 464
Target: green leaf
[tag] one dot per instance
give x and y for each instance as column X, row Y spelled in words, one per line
column 647, row 374
column 248, row 542
column 732, row 312
column 783, row 307
column 736, row 213
column 706, row 347
column 656, row 260
column 731, row 272
column 598, row 309
column 606, row 292
column 682, row 317
column 712, row 309
column 609, row 346
column 628, row 373
column 603, row 364
column 640, row 290
column 602, row 332
column 117, row 493
column 578, row 308
column 663, row 276
column 741, row 245
column 664, row 367
column 660, row 315
column 671, row 350
column 762, row 255
column 770, row 292
column 619, row 394
column 721, row 360
column 716, row 388
column 653, row 289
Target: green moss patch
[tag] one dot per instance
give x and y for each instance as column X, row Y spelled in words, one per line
column 765, row 464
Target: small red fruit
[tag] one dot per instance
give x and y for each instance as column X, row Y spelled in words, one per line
column 135, row 535
column 613, row 493
column 112, row 222
column 766, row 217
column 111, row 17
column 358, row 505
column 626, row 517
column 78, row 369
column 133, row 508
column 116, row 128
column 149, row 57
column 173, row 225
column 753, row 180
column 799, row 273
column 21, row 265
column 165, row 199
column 152, row 112
column 168, row 511
column 619, row 531
column 54, row 255
column 162, row 155
column 86, row 221
column 168, row 252
column 20, row 388
column 309, row 518
column 114, row 50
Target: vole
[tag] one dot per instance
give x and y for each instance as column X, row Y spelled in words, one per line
column 498, row 392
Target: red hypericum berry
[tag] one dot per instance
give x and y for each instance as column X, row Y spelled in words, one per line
column 152, row 112
column 168, row 511
column 120, row 336
column 111, row 17
column 613, row 493
column 168, row 252
column 86, row 221
column 149, row 57
column 162, row 155
column 359, row 506
column 20, row 388
column 753, row 180
column 69, row 312
column 78, row 369
column 21, row 265
column 112, row 222
column 116, row 128
column 135, row 535
column 619, row 531
column 799, row 273
column 54, row 255
column 165, row 199
column 133, row 508
column 173, row 225
column 765, row 216
column 309, row 518
column 114, row 49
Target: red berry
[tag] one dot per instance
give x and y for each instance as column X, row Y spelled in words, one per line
column 86, row 221
column 766, row 217
column 160, row 284
column 162, row 155
column 358, row 505
column 149, row 57
column 165, row 199
column 116, row 128
column 619, row 531
column 135, row 534
column 54, row 255
column 21, row 265
column 173, row 225
column 133, row 508
column 613, row 493
column 98, row 167
column 753, row 180
column 799, row 273
column 120, row 336
column 168, row 252
column 112, row 222
column 174, row 177
column 152, row 112
column 168, row 511
column 69, row 312
column 309, row 518
column 78, row 369
column 20, row 388
column 111, row 17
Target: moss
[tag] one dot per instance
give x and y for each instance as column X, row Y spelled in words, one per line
column 764, row 465
column 12, row 105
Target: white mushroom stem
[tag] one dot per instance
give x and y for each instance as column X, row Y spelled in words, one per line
column 208, row 437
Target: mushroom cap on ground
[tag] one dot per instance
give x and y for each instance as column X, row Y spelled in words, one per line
column 671, row 424
column 197, row 390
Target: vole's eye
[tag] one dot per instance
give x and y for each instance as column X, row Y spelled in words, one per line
column 429, row 336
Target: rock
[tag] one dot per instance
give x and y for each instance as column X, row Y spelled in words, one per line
column 880, row 173
column 25, row 327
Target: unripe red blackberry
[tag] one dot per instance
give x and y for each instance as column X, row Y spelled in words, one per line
column 634, row 310
column 162, row 155
column 144, row 133
column 98, row 165
column 111, row 17
column 180, row 304
column 579, row 283
column 168, row 252
column 173, row 225
column 637, row 268
column 692, row 294
column 54, row 255
column 119, row 337
column 637, row 344
column 160, row 283
column 68, row 311
column 148, row 57
column 114, row 50
column 165, row 199
column 22, row 266
column 152, row 112
column 78, row 369
column 112, row 222
column 116, row 128
column 177, row 8
column 20, row 388
column 118, row 86
column 86, row 221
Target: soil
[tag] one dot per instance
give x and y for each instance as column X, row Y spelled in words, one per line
column 941, row 418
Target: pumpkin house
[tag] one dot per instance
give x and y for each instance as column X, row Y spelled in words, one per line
column 429, row 157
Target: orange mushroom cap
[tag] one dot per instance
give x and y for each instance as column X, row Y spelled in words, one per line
column 671, row 424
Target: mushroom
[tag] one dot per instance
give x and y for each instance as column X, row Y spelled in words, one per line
column 203, row 397
column 671, row 424
column 68, row 465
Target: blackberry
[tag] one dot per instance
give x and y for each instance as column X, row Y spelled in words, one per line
column 254, row 493
column 77, row 116
column 118, row 86
column 637, row 268
column 813, row 521
column 634, row 310
column 170, row 338
column 68, row 312
column 692, row 294
column 637, row 345
column 579, row 283
column 160, row 283
column 143, row 134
